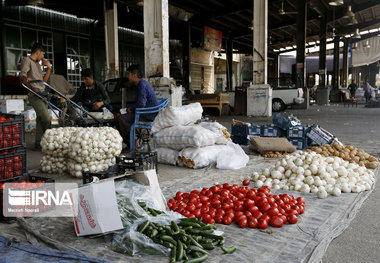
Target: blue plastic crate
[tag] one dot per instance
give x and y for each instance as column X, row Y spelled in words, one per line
column 296, row 132
column 254, row 129
column 320, row 136
column 240, row 140
column 239, row 130
column 284, row 122
column 300, row 144
column 270, row 131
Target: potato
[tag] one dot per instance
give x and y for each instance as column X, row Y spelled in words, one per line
column 350, row 147
column 372, row 158
column 372, row 165
column 342, row 155
column 356, row 159
column 361, row 163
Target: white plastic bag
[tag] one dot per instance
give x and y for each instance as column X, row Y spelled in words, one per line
column 200, row 157
column 218, row 129
column 232, row 158
column 107, row 114
column 181, row 116
column 179, row 137
column 167, row 156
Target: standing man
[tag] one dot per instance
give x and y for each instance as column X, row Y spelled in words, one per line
column 92, row 93
column 352, row 88
column 145, row 98
column 31, row 70
column 367, row 92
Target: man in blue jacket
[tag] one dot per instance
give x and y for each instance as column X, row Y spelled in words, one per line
column 145, row 98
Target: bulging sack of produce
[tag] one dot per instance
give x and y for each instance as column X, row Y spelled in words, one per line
column 218, row 129
column 232, row 158
column 200, row 157
column 167, row 156
column 179, row 137
column 172, row 116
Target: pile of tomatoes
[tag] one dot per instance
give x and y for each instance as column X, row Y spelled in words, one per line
column 3, row 119
column 25, row 185
column 246, row 206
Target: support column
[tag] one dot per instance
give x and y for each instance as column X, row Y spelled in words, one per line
column 300, row 56
column 322, row 96
column 277, row 68
column 112, row 41
column 229, row 63
column 335, row 93
column 156, row 38
column 259, row 95
column 345, row 64
column 2, row 51
column 186, row 44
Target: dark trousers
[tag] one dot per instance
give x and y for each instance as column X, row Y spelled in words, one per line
column 123, row 125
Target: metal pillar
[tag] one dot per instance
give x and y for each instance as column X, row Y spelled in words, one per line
column 186, row 38
column 259, row 95
column 277, row 68
column 344, row 80
column 300, row 56
column 335, row 93
column 322, row 96
column 229, row 63
column 2, row 52
column 156, row 38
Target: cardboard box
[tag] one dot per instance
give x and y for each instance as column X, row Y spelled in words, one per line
column 53, row 115
column 30, row 126
column 29, row 115
column 96, row 209
column 11, row 105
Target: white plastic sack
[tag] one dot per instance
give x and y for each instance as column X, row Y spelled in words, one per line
column 218, row 129
column 167, row 156
column 200, row 157
column 179, row 137
column 181, row 116
column 232, row 158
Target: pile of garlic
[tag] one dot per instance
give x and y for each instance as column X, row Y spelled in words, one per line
column 76, row 149
column 93, row 149
column 311, row 172
column 55, row 148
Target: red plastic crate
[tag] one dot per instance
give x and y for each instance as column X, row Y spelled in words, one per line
column 12, row 133
column 12, row 163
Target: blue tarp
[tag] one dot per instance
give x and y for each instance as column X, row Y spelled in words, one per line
column 11, row 252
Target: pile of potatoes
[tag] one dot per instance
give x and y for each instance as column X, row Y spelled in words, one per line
column 348, row 153
column 274, row 154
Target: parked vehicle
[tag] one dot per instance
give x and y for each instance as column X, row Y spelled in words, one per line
column 283, row 96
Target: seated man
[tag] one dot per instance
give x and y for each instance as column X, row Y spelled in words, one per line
column 145, row 98
column 92, row 93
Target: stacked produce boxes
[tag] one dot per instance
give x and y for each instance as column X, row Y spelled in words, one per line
column 12, row 146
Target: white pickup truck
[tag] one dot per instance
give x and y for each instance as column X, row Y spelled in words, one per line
column 282, row 96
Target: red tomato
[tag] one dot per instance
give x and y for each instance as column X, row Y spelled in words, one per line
column 246, row 182
column 209, row 193
column 238, row 207
column 191, row 207
column 265, row 217
column 198, row 205
column 185, row 195
column 273, row 211
column 253, row 209
column 214, row 189
column 205, row 209
column 230, row 214
column 206, row 217
column 265, row 207
column 220, row 212
column 212, row 212
column 193, row 200
column 292, row 219
column 301, row 200
column 248, row 203
column 252, row 222
column 243, row 222
column 197, row 213
column 218, row 218
column 293, row 212
column 250, row 194
column 227, row 220
column 257, row 214
column 276, row 221
column 248, row 214
column 226, row 206
column 186, row 213
column 216, row 203
column 284, row 218
column 225, row 193
column 302, row 209
column 226, row 186
column 203, row 198
column 195, row 192
column 178, row 194
column 262, row 224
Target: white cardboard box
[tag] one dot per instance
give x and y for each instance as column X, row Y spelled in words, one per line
column 96, row 208
column 9, row 105
column 29, row 115
column 30, row 126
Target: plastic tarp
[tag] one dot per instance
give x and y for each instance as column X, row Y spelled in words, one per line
column 306, row 241
column 364, row 55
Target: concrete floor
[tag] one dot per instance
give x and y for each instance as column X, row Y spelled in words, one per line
column 359, row 127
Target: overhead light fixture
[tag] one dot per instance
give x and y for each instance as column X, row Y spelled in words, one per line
column 352, row 21
column 333, row 32
column 251, row 26
column 336, row 2
column 354, row 46
column 140, row 3
column 366, row 44
column 36, row 2
column 349, row 13
column 357, row 34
